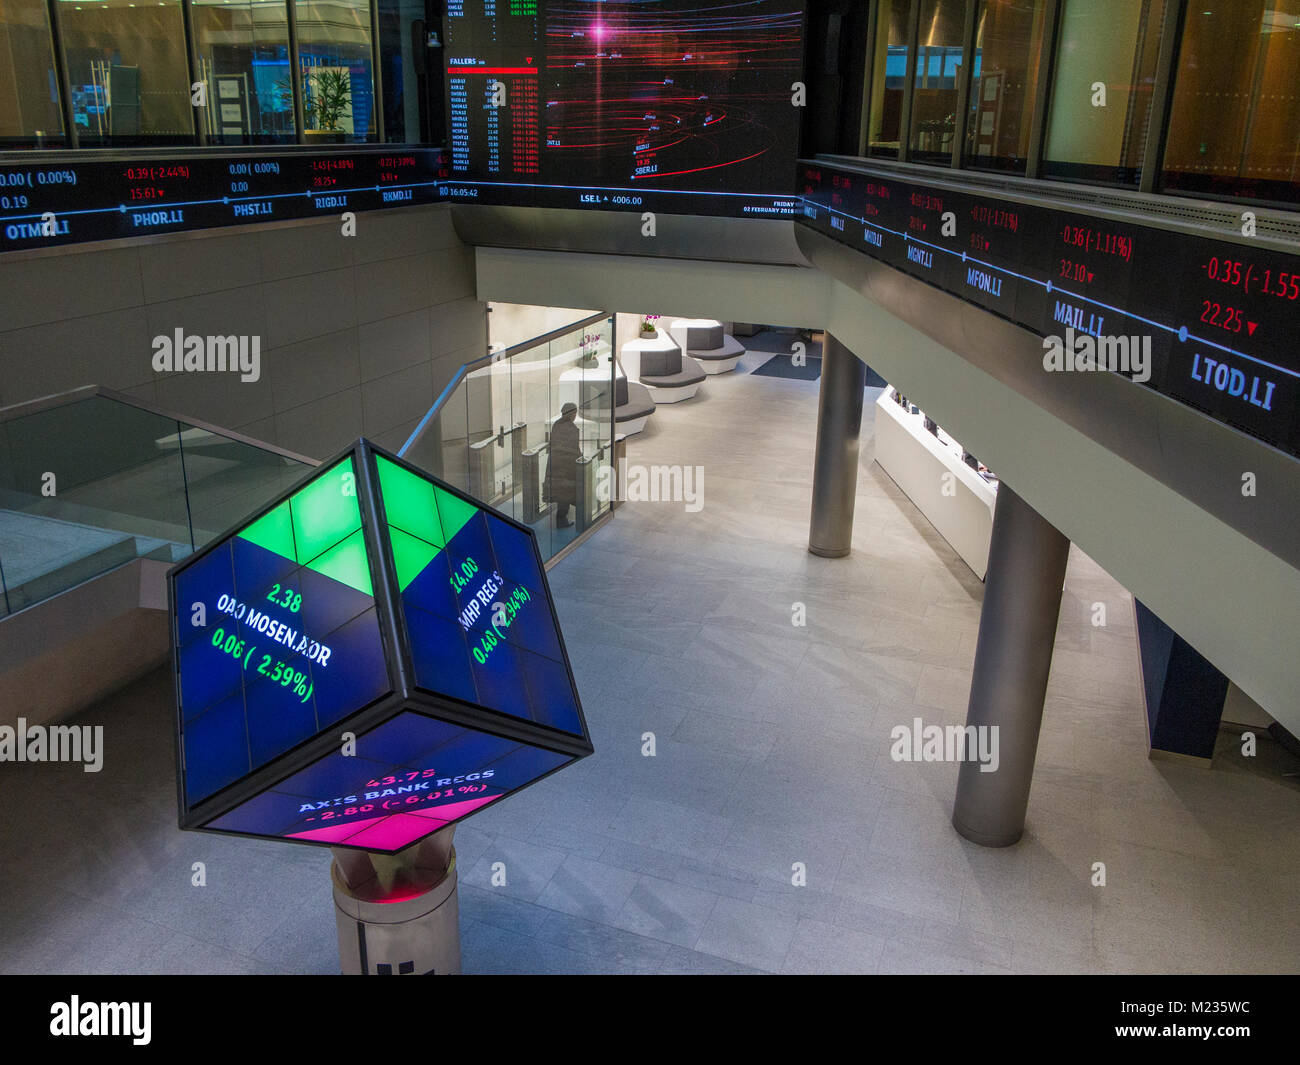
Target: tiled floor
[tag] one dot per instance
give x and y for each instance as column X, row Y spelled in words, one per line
column 771, row 749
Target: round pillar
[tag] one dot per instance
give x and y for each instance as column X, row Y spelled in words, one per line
column 1013, row 656
column 835, row 467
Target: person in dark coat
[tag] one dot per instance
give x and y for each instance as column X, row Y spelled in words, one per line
column 562, row 470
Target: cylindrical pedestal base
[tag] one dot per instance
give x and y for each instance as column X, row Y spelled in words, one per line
column 408, row 935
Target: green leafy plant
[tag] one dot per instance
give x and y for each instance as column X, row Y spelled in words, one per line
column 327, row 98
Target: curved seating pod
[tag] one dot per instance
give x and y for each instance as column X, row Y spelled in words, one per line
column 703, row 340
column 634, row 406
column 658, row 364
column 588, row 386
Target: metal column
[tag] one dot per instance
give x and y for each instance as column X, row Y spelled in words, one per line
column 835, row 469
column 1022, row 600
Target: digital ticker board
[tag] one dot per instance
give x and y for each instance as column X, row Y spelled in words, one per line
column 51, row 201
column 374, row 602
column 1217, row 317
column 659, row 105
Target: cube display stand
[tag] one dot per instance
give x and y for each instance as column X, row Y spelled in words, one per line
column 368, row 659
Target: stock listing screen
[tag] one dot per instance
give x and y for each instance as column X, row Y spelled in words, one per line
column 55, row 202
column 626, row 105
column 1215, row 317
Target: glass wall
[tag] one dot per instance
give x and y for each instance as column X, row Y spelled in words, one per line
column 938, row 80
column 127, row 71
column 242, row 54
column 1235, row 128
column 133, row 483
column 1101, row 93
column 30, row 115
column 405, row 75
column 335, row 52
column 1008, row 53
column 889, row 75
column 1230, row 106
column 494, row 433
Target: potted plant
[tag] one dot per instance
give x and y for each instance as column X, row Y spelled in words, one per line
column 648, row 328
column 326, row 101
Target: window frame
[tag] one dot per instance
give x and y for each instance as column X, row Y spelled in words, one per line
column 201, row 136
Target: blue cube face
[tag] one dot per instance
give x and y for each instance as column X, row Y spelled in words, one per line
column 365, row 681
column 277, row 634
column 474, row 599
column 409, row 777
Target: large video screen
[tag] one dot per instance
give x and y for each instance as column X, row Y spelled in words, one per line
column 1218, row 317
column 626, row 105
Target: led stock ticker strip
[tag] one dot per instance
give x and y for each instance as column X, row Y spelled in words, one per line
column 1217, row 316
column 45, row 205
column 1214, row 319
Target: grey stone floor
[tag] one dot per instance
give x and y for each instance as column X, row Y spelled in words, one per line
column 772, row 748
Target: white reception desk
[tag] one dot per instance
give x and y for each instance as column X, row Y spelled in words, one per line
column 959, row 506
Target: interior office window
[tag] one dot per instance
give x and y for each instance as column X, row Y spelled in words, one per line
column 242, row 54
column 938, row 80
column 888, row 76
column 1005, row 66
column 128, row 71
column 1109, row 45
column 30, row 115
column 334, row 48
column 1235, row 119
column 403, row 57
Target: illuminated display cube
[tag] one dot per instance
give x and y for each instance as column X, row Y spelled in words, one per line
column 370, row 658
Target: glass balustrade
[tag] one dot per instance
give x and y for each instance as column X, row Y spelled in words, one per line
column 499, row 432
column 91, row 480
